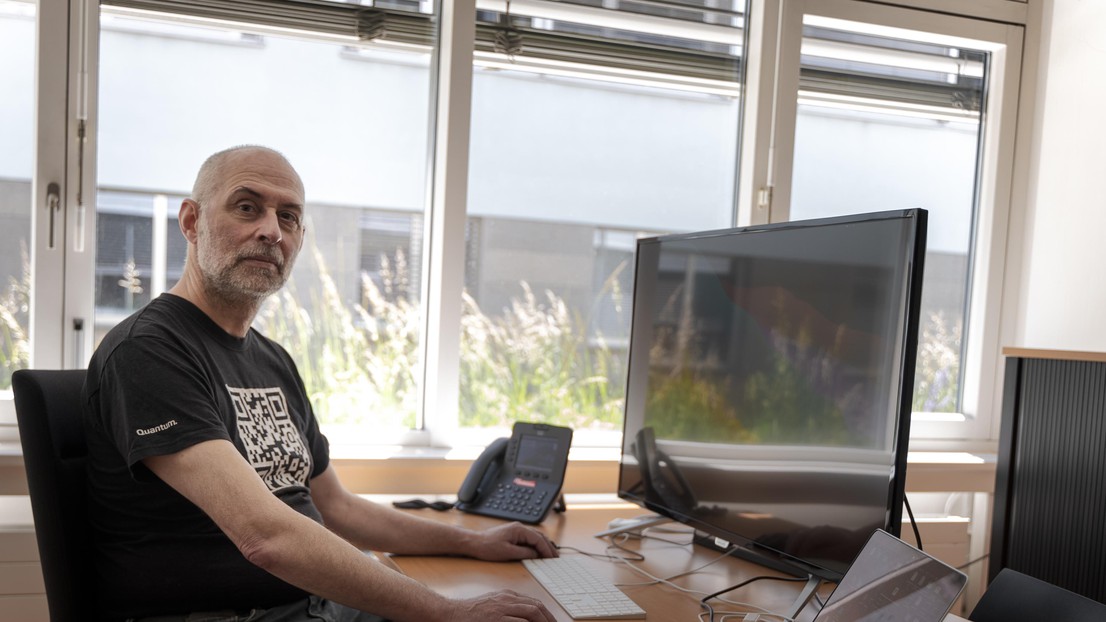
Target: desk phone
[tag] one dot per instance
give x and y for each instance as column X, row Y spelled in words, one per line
column 518, row 478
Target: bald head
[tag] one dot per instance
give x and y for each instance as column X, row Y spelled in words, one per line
column 214, row 169
column 244, row 226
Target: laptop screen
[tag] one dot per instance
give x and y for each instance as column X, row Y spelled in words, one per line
column 893, row 581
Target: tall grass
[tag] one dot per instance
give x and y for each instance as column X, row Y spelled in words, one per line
column 937, row 371
column 537, row 359
column 535, row 363
column 358, row 361
column 15, row 309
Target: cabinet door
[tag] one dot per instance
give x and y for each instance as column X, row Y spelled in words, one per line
column 1051, row 476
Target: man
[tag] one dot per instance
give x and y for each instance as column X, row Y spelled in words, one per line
column 210, row 483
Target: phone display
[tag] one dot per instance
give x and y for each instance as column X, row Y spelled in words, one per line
column 518, row 478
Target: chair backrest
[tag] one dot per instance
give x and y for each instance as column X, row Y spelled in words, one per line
column 1017, row 597
column 48, row 409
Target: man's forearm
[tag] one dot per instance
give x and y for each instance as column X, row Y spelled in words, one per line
column 308, row 556
column 289, row 545
column 370, row 526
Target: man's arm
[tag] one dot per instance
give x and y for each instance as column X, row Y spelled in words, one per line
column 215, row 477
column 380, row 528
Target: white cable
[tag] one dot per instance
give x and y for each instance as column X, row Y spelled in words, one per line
column 757, row 609
column 655, row 579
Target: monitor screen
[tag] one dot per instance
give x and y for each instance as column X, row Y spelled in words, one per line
column 769, row 384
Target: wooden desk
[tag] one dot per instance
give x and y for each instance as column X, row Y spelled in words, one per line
column 465, row 577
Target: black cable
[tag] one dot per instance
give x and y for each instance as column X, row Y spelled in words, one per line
column 974, row 561
column 419, row 504
column 710, row 610
column 913, row 523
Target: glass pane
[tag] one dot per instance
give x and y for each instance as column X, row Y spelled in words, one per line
column 17, row 114
column 589, row 128
column 352, row 118
column 892, row 123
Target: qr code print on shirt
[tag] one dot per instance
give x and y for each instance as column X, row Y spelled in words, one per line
column 274, row 446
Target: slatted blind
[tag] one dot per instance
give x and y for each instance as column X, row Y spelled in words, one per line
column 413, row 22
column 1051, row 496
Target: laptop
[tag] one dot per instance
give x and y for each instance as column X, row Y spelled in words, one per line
column 894, row 582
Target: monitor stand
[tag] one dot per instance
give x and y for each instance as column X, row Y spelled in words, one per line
column 812, row 585
column 624, row 525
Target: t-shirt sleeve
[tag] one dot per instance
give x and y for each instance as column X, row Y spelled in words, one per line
column 155, row 400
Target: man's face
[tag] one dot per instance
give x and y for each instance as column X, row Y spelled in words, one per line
column 250, row 231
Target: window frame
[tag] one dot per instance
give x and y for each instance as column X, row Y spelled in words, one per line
column 66, row 53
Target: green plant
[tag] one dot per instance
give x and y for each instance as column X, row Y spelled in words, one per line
column 531, row 362
column 359, row 361
column 937, row 370
column 15, row 345
column 534, row 363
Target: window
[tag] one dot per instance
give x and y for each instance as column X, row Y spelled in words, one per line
column 911, row 140
column 17, row 45
column 351, row 114
column 589, row 126
column 139, row 252
column 876, row 114
column 439, row 311
column 19, row 288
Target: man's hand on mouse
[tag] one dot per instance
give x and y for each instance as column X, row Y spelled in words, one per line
column 508, row 542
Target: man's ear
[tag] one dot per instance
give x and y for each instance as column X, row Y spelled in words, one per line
column 188, row 218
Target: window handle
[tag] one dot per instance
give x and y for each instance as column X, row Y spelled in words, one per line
column 78, row 345
column 53, row 206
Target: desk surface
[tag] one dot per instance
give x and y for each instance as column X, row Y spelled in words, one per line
column 576, row 528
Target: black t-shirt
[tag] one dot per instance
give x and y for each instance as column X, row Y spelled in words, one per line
column 164, row 379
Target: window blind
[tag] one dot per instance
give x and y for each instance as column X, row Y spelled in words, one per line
column 396, row 21
column 586, row 42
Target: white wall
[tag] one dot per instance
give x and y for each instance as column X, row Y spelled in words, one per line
column 1063, row 297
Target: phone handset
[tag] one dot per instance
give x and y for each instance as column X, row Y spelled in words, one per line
column 484, row 468
column 661, row 475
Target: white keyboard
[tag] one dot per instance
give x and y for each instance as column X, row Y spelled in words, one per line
column 583, row 594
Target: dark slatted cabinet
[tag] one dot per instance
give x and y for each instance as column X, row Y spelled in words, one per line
column 1050, row 489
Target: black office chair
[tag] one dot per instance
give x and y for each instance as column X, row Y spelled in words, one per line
column 1017, row 597
column 48, row 409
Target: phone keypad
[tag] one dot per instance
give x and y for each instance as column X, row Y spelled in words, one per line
column 521, row 500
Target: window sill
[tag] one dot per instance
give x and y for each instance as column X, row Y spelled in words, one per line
column 402, row 470
column 595, row 471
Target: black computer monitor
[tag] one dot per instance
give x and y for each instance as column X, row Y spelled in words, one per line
column 770, row 382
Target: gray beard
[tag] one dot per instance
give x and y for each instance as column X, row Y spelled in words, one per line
column 235, row 288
